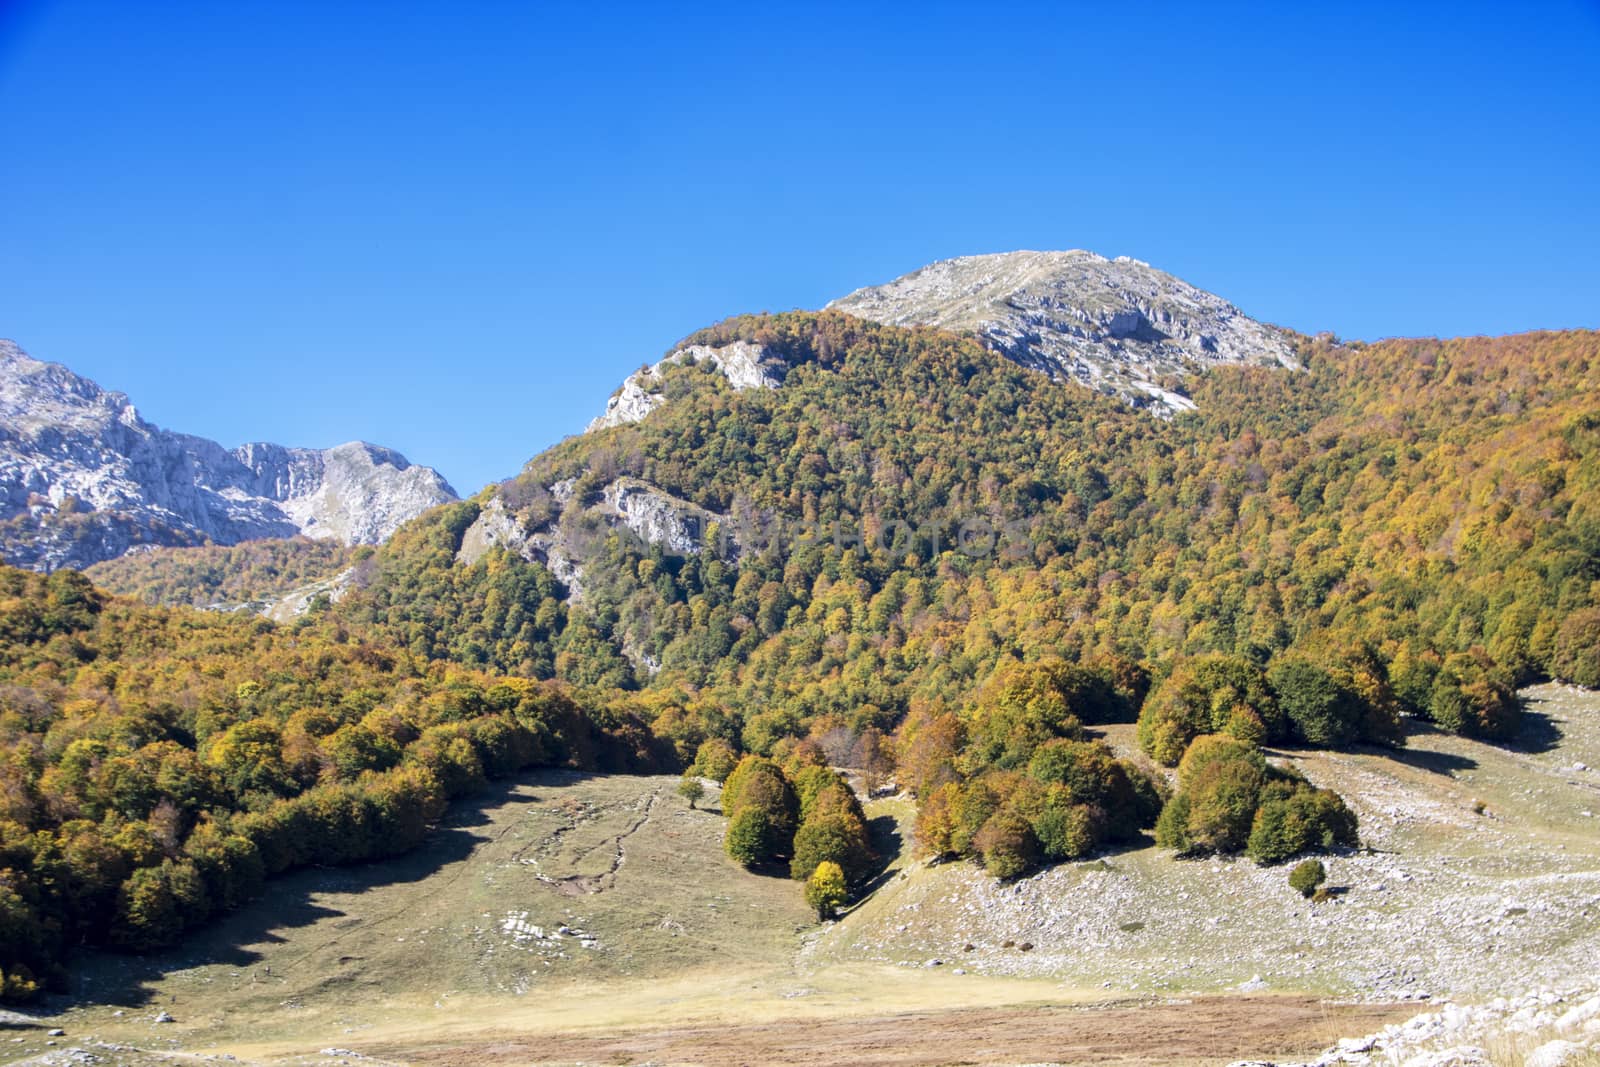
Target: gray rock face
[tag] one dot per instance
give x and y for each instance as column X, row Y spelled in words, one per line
column 565, row 544
column 658, row 518
column 84, row 478
column 1113, row 324
column 744, row 365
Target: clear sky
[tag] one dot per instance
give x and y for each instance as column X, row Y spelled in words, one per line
column 453, row 228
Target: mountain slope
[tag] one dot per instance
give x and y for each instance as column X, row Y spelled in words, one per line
column 807, row 557
column 1117, row 325
column 84, row 478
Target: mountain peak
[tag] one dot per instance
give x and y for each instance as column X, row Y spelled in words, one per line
column 84, row 478
column 1113, row 324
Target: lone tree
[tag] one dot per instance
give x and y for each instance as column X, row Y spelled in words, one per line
column 691, row 789
column 1307, row 876
column 825, row 889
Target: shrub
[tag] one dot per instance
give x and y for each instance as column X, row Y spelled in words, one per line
column 825, row 890
column 1307, row 876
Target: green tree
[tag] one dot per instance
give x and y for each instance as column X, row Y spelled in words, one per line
column 838, row 837
column 1322, row 711
column 1293, row 817
column 715, row 759
column 156, row 904
column 1307, row 876
column 750, row 839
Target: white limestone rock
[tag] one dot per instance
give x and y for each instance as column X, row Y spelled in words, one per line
column 658, row 518
column 89, row 478
column 744, row 364
column 1111, row 324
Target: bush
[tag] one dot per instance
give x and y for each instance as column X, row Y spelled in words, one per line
column 825, row 890
column 1307, row 876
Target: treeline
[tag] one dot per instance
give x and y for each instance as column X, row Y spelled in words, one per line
column 157, row 765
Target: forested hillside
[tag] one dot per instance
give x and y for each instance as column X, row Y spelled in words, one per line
column 224, row 576
column 919, row 558
column 1429, row 507
column 156, row 764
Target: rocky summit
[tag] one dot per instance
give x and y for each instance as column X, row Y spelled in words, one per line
column 1117, row 325
column 84, row 478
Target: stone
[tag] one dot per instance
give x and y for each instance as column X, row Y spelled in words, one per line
column 1557, row 1053
column 1459, row 1056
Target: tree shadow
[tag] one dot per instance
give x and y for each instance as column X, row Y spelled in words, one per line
column 288, row 902
column 1445, row 763
column 1539, row 732
column 883, row 832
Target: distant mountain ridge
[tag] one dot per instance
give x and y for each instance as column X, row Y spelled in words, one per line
column 84, row 478
column 1117, row 325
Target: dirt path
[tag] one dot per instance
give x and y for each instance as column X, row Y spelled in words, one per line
column 1211, row 1030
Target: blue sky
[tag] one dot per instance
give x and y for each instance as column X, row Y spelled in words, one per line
column 453, row 228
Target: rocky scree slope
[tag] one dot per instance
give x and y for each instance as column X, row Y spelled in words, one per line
column 84, row 478
column 1117, row 325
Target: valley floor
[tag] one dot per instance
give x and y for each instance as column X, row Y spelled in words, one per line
column 570, row 918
